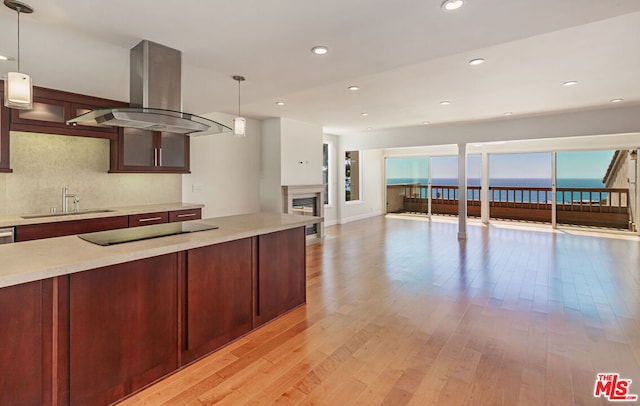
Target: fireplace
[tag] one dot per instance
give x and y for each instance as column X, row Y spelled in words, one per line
column 305, row 200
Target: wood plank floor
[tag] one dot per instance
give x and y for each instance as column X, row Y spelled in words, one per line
column 400, row 312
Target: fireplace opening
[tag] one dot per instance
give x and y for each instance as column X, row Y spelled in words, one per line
column 305, row 200
column 306, row 207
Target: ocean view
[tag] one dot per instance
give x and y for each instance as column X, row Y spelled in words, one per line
column 566, row 182
column 514, row 182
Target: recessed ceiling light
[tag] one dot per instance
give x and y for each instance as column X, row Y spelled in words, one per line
column 364, row 114
column 570, row 83
column 369, row 128
column 616, row 100
column 508, row 113
column 4, row 58
column 425, row 122
column 354, row 88
column 476, row 61
column 320, row 50
column 280, row 103
column 445, row 102
column 451, row 5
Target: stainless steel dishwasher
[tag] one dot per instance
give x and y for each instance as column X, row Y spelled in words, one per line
column 6, row 235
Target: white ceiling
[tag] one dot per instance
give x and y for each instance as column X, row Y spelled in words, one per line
column 406, row 55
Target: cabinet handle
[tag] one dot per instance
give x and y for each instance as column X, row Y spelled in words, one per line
column 160, row 156
column 185, row 215
column 150, row 219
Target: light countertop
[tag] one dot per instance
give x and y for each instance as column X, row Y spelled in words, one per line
column 40, row 259
column 17, row 220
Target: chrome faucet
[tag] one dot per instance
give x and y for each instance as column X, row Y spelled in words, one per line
column 65, row 203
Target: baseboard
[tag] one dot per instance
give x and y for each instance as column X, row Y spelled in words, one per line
column 360, row 217
column 330, row 223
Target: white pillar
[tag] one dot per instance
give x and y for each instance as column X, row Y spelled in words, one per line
column 554, row 204
column 462, row 191
column 637, row 181
column 429, row 195
column 484, row 188
column 385, row 201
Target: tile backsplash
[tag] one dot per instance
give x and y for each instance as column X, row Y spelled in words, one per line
column 43, row 164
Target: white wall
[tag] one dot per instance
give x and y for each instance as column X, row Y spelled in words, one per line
column 271, row 178
column 331, row 210
column 291, row 155
column 43, row 164
column 370, row 203
column 225, row 171
column 301, row 153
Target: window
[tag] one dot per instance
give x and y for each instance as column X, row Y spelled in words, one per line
column 352, row 175
column 325, row 172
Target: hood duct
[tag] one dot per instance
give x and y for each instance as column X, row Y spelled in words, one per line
column 155, row 97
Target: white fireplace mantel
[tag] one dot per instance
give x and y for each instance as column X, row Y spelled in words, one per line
column 291, row 192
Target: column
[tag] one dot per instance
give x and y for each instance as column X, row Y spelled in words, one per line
column 484, row 188
column 637, row 189
column 462, row 191
column 554, row 204
column 429, row 194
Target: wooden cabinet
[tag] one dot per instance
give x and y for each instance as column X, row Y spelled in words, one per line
column 26, row 344
column 218, row 300
column 281, row 283
column 4, row 133
column 185, row 215
column 51, row 110
column 147, row 219
column 97, row 336
column 122, row 328
column 132, row 150
column 70, row 227
column 145, row 151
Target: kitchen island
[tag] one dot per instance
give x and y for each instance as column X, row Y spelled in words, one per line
column 89, row 324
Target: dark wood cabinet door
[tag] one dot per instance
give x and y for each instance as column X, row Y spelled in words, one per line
column 123, row 328
column 71, row 227
column 218, row 293
column 25, row 344
column 144, row 151
column 52, row 108
column 147, row 219
column 281, row 280
column 185, row 215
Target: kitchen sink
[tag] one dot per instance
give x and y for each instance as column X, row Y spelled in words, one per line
column 69, row 213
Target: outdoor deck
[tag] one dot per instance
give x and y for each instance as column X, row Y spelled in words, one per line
column 601, row 207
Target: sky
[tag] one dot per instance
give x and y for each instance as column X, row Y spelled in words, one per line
column 588, row 164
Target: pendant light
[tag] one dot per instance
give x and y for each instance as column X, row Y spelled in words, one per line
column 239, row 123
column 18, row 89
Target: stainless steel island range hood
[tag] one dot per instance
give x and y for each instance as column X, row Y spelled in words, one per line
column 155, row 97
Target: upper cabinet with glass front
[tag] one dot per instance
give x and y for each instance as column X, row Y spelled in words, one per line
column 136, row 151
column 51, row 110
column 132, row 150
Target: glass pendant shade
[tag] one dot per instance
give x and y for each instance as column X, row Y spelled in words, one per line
column 239, row 127
column 18, row 91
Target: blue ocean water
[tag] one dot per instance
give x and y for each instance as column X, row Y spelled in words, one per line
column 512, row 196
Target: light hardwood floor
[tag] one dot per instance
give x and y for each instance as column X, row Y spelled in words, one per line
column 399, row 311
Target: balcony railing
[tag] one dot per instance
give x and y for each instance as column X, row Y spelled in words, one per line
column 602, row 207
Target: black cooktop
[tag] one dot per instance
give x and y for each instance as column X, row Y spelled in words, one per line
column 123, row 235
